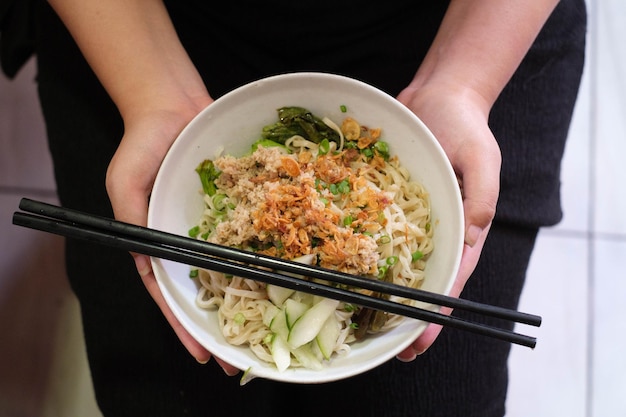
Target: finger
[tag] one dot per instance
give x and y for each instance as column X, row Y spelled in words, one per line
column 227, row 368
column 480, row 186
column 423, row 343
column 470, row 257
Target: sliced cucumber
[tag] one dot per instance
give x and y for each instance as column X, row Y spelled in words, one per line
column 246, row 377
column 310, row 323
column 327, row 337
column 269, row 315
column 279, row 325
column 281, row 353
column 303, row 297
column 278, row 295
column 306, row 357
column 294, row 310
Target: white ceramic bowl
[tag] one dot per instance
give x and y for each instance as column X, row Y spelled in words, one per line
column 234, row 121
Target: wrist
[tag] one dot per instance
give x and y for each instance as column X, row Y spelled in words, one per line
column 169, row 113
column 442, row 93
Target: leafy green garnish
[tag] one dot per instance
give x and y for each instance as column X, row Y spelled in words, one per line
column 298, row 121
column 208, row 174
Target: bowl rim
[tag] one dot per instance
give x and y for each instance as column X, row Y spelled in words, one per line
column 267, row 82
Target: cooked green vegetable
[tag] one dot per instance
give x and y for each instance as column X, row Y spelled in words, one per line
column 268, row 143
column 298, row 121
column 208, row 174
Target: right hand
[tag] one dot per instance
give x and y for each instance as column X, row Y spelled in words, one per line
column 130, row 177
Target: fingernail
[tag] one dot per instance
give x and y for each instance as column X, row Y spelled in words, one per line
column 472, row 235
column 406, row 359
column 231, row 372
column 142, row 264
column 202, row 361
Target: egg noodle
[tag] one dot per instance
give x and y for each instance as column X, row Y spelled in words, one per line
column 344, row 204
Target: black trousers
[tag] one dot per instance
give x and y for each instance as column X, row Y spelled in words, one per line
column 140, row 368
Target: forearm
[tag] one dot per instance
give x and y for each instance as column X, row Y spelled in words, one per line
column 134, row 50
column 480, row 44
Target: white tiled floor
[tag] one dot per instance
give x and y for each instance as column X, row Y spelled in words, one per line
column 43, row 368
column 576, row 280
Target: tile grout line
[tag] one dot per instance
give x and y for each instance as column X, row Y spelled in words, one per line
column 593, row 86
column 40, row 192
column 582, row 234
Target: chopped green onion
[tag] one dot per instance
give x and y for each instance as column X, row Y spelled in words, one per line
column 384, row 239
column 193, row 273
column 343, row 108
column 382, row 148
column 324, row 147
column 392, row 260
column 218, row 201
column 344, row 186
column 382, row 271
column 239, row 318
column 349, row 307
column 269, row 338
column 417, row 255
column 354, row 325
column 193, row 232
column 347, row 221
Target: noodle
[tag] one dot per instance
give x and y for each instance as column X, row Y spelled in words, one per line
column 345, row 205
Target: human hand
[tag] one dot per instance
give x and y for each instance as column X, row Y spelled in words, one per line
column 130, row 177
column 459, row 120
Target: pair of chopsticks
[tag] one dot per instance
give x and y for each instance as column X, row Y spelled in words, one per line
column 96, row 229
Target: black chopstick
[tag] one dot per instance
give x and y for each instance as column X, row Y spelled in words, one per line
column 75, row 224
column 207, row 248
